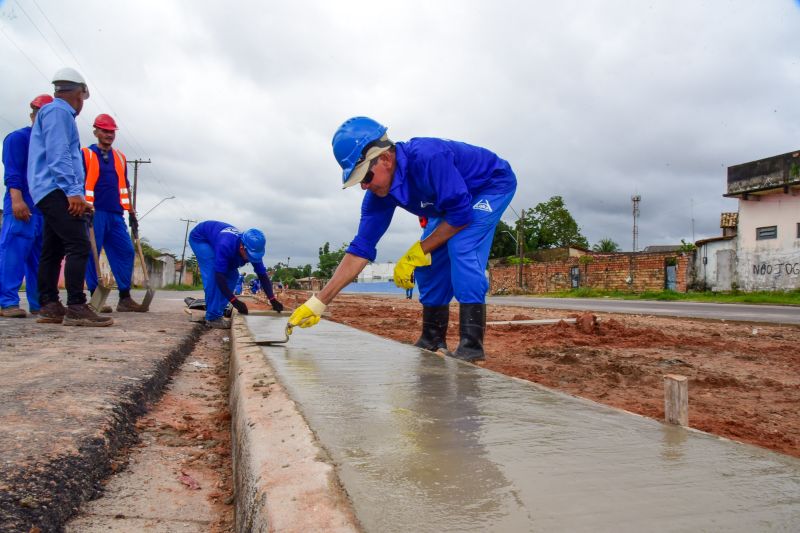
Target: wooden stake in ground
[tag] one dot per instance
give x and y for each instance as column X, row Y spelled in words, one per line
column 676, row 399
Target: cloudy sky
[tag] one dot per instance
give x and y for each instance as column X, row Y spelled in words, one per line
column 235, row 103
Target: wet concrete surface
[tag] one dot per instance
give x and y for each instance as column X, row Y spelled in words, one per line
column 425, row 443
column 69, row 397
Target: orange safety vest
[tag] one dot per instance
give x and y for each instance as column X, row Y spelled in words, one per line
column 93, row 172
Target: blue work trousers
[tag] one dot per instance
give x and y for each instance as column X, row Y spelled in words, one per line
column 20, row 247
column 111, row 235
column 215, row 300
column 459, row 267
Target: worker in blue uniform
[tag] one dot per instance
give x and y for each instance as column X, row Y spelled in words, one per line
column 463, row 191
column 221, row 250
column 108, row 190
column 21, row 234
column 255, row 286
column 239, row 284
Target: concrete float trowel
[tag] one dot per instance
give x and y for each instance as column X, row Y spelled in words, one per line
column 277, row 332
column 101, row 292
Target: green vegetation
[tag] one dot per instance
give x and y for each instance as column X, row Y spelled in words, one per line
column 548, row 225
column 606, row 245
column 761, row 297
column 180, row 287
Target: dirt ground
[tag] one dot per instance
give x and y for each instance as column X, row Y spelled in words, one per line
column 744, row 379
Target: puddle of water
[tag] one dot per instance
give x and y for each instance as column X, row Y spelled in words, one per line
column 423, row 443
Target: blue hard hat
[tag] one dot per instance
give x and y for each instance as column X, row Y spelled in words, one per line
column 350, row 140
column 255, row 243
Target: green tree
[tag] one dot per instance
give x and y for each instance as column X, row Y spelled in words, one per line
column 328, row 260
column 606, row 245
column 550, row 225
column 503, row 244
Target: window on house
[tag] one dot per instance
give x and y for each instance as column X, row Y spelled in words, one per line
column 767, row 232
column 798, row 230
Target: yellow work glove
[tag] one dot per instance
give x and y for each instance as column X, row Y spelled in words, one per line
column 307, row 314
column 404, row 269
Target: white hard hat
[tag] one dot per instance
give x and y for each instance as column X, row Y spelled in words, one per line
column 68, row 74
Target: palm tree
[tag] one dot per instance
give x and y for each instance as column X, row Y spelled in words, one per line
column 606, row 245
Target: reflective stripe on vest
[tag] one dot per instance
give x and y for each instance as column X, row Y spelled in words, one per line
column 93, row 173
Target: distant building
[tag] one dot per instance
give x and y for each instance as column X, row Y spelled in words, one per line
column 376, row 272
column 760, row 245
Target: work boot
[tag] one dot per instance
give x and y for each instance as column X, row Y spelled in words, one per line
column 472, row 324
column 82, row 315
column 51, row 313
column 218, row 323
column 434, row 328
column 127, row 305
column 13, row 311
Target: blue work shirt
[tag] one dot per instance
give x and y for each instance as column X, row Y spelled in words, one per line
column 434, row 178
column 15, row 163
column 54, row 156
column 106, row 190
column 225, row 240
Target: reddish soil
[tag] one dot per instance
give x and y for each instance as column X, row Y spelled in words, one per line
column 744, row 378
column 194, row 420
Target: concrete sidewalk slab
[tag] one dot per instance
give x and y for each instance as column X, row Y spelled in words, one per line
column 69, row 398
column 425, row 443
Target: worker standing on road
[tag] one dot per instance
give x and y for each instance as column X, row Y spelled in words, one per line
column 21, row 235
column 463, row 190
column 239, row 285
column 221, row 250
column 107, row 189
column 55, row 178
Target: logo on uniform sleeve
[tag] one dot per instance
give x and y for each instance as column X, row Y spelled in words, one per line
column 483, row 205
column 231, row 229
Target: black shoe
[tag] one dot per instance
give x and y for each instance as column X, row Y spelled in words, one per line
column 83, row 315
column 51, row 313
column 472, row 324
column 434, row 328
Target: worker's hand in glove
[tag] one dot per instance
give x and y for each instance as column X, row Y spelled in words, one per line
column 404, row 270
column 276, row 305
column 133, row 222
column 307, row 314
column 240, row 306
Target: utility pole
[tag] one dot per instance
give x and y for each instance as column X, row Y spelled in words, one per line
column 635, row 199
column 136, row 163
column 183, row 255
column 520, row 248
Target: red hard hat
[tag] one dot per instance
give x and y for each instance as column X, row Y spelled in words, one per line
column 40, row 101
column 105, row 122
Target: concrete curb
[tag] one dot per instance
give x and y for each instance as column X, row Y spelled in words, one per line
column 65, row 482
column 284, row 480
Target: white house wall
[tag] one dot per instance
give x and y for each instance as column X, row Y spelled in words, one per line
column 716, row 276
column 769, row 264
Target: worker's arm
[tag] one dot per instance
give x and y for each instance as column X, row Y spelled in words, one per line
column 222, row 285
column 443, row 232
column 18, row 206
column 310, row 312
column 348, row 270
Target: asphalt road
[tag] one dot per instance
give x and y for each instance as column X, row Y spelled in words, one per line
column 777, row 314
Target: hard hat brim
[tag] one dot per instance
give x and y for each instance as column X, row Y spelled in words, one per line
column 360, row 169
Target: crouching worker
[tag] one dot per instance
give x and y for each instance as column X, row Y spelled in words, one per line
column 463, row 191
column 221, row 250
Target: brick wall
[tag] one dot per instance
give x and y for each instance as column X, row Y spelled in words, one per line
column 637, row 272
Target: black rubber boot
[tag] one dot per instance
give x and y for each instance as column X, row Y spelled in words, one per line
column 434, row 328
column 472, row 324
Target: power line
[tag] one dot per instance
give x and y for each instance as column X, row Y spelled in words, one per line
column 21, row 51
column 40, row 32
